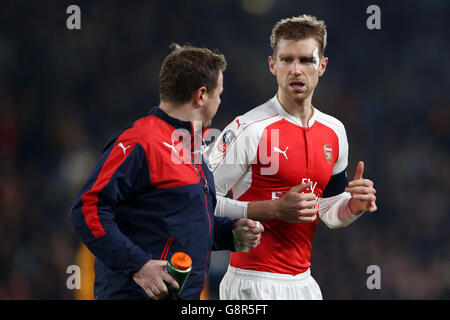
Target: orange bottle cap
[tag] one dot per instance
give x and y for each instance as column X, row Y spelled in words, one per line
column 181, row 261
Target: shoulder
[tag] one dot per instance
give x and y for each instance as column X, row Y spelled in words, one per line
column 328, row 120
column 255, row 120
column 260, row 113
column 143, row 132
column 151, row 129
column 333, row 123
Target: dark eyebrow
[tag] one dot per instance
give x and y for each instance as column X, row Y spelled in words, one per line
column 307, row 59
column 302, row 58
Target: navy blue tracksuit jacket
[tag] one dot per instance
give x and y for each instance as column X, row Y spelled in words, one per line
column 146, row 200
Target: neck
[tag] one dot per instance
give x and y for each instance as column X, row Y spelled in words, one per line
column 301, row 109
column 183, row 112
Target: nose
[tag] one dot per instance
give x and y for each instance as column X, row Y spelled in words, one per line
column 296, row 68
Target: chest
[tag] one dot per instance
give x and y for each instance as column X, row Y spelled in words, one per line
column 289, row 155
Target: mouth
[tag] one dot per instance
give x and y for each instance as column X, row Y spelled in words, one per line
column 297, row 85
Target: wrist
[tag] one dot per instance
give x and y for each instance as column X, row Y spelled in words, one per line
column 353, row 207
column 263, row 210
column 275, row 209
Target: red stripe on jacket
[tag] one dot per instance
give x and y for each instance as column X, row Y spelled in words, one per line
column 90, row 198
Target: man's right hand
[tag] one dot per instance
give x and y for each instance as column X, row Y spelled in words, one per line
column 153, row 278
column 294, row 206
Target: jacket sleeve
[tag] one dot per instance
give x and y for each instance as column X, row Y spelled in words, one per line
column 223, row 234
column 122, row 170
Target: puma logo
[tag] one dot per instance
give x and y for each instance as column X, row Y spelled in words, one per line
column 123, row 147
column 276, row 149
column 171, row 146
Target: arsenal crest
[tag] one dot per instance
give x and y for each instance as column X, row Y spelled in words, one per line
column 328, row 151
column 227, row 138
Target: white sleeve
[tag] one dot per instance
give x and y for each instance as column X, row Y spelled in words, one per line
column 230, row 208
column 334, row 211
column 342, row 160
column 230, row 160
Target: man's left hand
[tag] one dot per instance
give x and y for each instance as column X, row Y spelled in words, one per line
column 362, row 191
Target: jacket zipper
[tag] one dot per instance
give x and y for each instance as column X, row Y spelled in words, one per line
column 206, row 189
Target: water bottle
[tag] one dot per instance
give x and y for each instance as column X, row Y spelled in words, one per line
column 179, row 266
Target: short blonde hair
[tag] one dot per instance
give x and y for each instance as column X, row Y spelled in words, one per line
column 299, row 28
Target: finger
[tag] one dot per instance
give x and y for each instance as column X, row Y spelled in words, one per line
column 361, row 182
column 307, row 196
column 307, row 212
column 252, row 236
column 254, row 241
column 261, row 228
column 359, row 170
column 307, row 204
column 253, row 244
column 258, row 229
column 364, row 197
column 154, row 289
column 150, row 294
column 362, row 190
column 167, row 278
column 301, row 187
column 160, row 263
column 307, row 219
column 241, row 223
column 162, row 288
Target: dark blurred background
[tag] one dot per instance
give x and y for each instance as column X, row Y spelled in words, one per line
column 64, row 92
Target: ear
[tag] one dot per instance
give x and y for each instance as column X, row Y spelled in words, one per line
column 272, row 61
column 323, row 66
column 200, row 96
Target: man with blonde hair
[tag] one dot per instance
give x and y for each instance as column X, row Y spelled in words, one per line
column 285, row 163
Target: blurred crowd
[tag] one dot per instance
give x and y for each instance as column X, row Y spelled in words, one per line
column 64, row 92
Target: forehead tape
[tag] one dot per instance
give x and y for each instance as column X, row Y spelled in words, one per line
column 316, row 58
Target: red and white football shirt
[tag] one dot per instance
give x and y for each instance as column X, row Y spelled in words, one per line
column 260, row 156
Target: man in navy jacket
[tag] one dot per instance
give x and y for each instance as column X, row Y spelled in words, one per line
column 151, row 194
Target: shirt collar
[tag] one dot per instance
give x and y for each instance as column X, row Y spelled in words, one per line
column 282, row 112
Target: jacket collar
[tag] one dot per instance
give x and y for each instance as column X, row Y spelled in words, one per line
column 174, row 122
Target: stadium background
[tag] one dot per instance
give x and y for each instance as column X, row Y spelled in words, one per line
column 63, row 93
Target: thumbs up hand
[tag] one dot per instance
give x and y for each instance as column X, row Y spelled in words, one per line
column 362, row 191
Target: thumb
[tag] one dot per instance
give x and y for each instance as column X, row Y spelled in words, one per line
column 255, row 226
column 359, row 170
column 246, row 223
column 301, row 187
